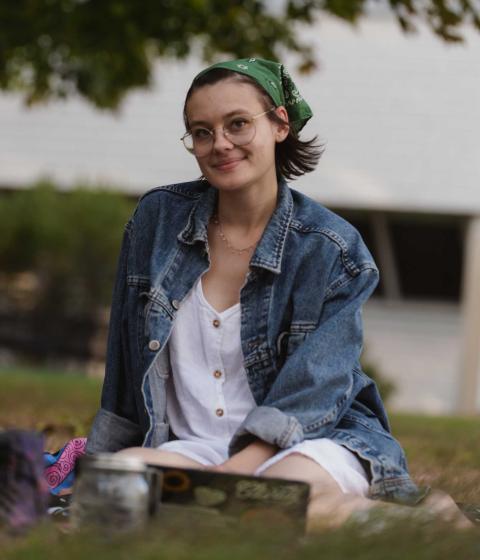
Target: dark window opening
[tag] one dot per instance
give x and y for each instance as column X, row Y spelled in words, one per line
column 429, row 257
column 427, row 253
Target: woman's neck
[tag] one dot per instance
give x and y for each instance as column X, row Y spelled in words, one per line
column 247, row 208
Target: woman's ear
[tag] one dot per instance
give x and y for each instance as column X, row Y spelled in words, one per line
column 282, row 130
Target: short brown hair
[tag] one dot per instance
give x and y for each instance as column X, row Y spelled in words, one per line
column 293, row 157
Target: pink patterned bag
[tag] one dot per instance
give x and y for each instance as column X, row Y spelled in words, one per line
column 60, row 466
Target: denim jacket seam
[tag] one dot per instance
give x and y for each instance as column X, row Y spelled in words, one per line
column 301, row 327
column 392, row 481
column 327, row 418
column 156, row 301
column 319, row 423
column 384, row 486
column 336, row 285
column 284, row 231
column 138, row 280
column 352, row 268
column 287, row 434
column 379, row 458
column 340, row 282
column 357, row 420
column 176, row 188
column 188, row 233
column 273, row 261
column 278, row 249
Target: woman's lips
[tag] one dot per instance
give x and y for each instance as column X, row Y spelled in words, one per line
column 227, row 165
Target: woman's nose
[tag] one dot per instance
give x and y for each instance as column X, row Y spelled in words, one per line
column 220, row 140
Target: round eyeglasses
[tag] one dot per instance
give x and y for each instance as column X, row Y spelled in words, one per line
column 239, row 130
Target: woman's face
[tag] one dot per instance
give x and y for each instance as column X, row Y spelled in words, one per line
column 230, row 167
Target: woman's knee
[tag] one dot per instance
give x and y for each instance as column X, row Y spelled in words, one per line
column 297, row 466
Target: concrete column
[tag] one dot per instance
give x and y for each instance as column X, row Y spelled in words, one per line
column 385, row 256
column 470, row 357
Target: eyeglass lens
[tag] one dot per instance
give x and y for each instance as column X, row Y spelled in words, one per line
column 238, row 130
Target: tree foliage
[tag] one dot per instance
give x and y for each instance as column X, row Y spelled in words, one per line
column 101, row 49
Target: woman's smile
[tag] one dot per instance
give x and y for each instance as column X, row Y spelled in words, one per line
column 228, row 164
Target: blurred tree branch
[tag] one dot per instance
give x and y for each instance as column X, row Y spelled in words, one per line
column 101, row 49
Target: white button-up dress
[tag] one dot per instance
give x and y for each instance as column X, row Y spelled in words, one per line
column 208, row 395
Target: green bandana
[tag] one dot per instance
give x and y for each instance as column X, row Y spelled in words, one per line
column 276, row 81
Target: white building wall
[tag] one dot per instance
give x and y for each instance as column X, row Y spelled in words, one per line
column 401, row 116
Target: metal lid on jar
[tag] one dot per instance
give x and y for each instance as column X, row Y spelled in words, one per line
column 112, row 462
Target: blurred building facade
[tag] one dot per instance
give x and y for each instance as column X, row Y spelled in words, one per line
column 400, row 116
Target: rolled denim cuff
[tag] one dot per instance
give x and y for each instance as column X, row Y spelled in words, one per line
column 270, row 425
column 400, row 490
column 110, row 433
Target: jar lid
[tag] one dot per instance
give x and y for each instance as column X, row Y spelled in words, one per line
column 112, row 461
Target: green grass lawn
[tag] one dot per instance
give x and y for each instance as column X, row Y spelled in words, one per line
column 60, row 405
column 443, row 452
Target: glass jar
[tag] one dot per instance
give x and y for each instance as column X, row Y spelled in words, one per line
column 114, row 493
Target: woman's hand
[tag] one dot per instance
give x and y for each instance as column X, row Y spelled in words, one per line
column 248, row 460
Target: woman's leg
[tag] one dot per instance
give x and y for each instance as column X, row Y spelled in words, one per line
column 157, row 457
column 329, row 507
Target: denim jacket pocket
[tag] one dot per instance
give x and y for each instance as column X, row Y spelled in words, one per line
column 289, row 341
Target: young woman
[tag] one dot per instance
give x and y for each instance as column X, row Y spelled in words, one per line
column 236, row 331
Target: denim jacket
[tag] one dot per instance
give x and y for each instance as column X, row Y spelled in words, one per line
column 301, row 330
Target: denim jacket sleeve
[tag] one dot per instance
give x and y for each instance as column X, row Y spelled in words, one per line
column 115, row 425
column 318, row 381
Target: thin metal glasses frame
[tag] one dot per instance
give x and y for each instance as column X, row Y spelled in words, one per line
column 212, row 130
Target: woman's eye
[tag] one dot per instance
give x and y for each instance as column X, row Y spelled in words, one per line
column 200, row 133
column 237, row 124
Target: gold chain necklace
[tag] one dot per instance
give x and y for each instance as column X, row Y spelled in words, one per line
column 223, row 237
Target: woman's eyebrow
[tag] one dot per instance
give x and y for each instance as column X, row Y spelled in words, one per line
column 226, row 116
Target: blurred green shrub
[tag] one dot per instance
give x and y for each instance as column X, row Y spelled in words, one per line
column 385, row 386
column 69, row 240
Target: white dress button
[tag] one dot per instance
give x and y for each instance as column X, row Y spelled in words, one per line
column 175, row 303
column 154, row 345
